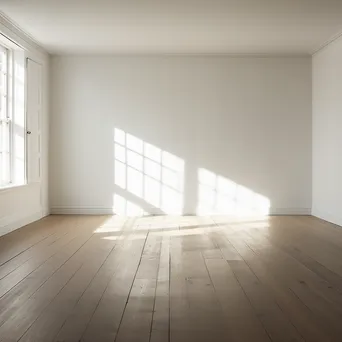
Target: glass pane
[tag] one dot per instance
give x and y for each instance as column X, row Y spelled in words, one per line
column 5, row 124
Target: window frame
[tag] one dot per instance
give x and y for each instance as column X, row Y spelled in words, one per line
column 6, row 117
column 14, row 113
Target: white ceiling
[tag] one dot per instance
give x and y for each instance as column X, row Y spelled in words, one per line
column 178, row 26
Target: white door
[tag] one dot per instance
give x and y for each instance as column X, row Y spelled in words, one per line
column 33, row 117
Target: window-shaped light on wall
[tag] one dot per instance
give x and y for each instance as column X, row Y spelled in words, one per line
column 220, row 195
column 153, row 176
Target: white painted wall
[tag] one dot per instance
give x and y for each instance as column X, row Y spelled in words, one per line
column 24, row 204
column 327, row 138
column 247, row 120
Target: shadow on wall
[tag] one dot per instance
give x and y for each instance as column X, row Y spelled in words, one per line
column 149, row 180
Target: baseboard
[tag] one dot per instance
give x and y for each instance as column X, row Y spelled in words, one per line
column 46, row 212
column 20, row 222
column 290, row 211
column 109, row 211
column 327, row 216
column 81, row 211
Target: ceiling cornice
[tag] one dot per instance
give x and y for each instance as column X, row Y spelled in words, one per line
column 327, row 42
column 23, row 38
column 33, row 43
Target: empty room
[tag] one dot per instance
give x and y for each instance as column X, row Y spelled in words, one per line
column 170, row 171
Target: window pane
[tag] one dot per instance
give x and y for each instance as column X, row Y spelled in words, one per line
column 5, row 124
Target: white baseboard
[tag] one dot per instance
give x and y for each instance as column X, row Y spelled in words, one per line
column 155, row 211
column 290, row 211
column 327, row 216
column 81, row 211
column 46, row 212
column 20, row 222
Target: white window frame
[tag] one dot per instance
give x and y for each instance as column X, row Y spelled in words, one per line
column 12, row 114
column 6, row 127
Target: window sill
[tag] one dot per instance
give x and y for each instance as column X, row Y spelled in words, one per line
column 11, row 187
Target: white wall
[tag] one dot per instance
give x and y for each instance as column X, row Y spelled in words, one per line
column 327, row 137
column 246, row 120
column 27, row 203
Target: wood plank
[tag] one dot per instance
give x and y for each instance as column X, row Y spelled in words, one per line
column 160, row 329
column 23, row 257
column 241, row 319
column 47, row 325
column 17, row 324
column 301, row 317
column 194, row 306
column 18, row 295
column 171, row 278
column 273, row 318
column 305, row 285
column 17, row 242
column 39, row 257
column 275, row 321
column 311, row 240
column 106, row 319
column 138, row 314
column 79, row 318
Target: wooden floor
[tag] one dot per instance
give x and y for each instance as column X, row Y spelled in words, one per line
column 159, row 279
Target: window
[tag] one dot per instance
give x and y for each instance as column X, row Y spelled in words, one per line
column 5, row 120
column 12, row 116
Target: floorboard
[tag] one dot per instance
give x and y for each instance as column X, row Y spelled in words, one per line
column 171, row 278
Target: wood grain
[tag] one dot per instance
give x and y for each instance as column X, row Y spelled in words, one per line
column 164, row 278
